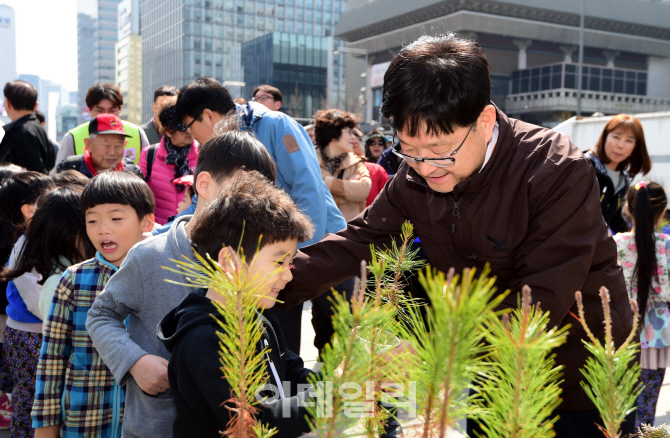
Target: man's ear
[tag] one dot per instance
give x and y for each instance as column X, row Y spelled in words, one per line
column 209, row 115
column 8, row 104
column 147, row 223
column 28, row 210
column 203, row 184
column 228, row 259
column 35, row 107
column 487, row 120
column 87, row 143
column 277, row 106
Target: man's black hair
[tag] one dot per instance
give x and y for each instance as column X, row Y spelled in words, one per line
column 40, row 116
column 101, row 91
column 166, row 90
column 436, row 84
column 225, row 154
column 202, row 94
column 250, row 206
column 119, row 187
column 21, row 94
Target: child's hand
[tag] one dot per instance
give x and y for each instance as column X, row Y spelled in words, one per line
column 150, row 373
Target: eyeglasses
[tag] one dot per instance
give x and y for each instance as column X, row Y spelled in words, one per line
column 262, row 98
column 188, row 127
column 375, row 143
column 447, row 161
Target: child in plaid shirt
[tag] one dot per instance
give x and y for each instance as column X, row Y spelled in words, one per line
column 76, row 394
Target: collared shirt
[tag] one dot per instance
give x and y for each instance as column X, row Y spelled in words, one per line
column 73, row 387
column 492, row 145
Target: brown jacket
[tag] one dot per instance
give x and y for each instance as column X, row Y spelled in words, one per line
column 532, row 213
column 349, row 194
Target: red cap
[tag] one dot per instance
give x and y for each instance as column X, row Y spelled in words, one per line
column 107, row 124
column 186, row 180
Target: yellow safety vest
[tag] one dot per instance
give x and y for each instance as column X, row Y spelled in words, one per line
column 133, row 147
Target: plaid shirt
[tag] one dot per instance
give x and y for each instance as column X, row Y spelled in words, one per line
column 74, row 388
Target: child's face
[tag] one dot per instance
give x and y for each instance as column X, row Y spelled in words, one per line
column 269, row 258
column 114, row 229
column 186, row 202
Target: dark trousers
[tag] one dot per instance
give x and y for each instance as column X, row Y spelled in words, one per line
column 574, row 424
column 322, row 313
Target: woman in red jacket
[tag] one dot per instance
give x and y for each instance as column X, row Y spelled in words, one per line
column 175, row 156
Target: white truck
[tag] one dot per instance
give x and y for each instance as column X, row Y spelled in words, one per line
column 584, row 132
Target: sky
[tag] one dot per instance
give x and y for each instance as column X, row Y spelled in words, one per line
column 46, row 39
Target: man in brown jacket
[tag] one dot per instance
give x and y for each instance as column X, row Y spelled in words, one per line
column 482, row 188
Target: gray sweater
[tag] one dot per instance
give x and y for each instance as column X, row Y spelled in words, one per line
column 138, row 290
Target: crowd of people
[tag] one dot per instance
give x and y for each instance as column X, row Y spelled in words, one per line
column 95, row 342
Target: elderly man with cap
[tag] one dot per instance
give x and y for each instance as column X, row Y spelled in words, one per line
column 104, row 149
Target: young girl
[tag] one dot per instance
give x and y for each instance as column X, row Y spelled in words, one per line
column 23, row 334
column 643, row 255
column 6, row 245
column 55, row 240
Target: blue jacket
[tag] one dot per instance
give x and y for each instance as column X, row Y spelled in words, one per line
column 298, row 171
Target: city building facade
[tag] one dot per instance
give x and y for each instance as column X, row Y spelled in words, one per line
column 97, row 34
column 51, row 97
column 7, row 50
column 532, row 47
column 185, row 40
column 128, row 53
column 296, row 64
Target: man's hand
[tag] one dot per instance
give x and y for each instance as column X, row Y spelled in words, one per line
column 150, row 373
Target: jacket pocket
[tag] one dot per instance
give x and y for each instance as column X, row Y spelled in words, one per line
column 146, row 416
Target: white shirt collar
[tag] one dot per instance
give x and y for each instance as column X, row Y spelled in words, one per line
column 491, row 146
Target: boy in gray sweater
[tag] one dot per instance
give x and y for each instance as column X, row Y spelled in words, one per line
column 138, row 290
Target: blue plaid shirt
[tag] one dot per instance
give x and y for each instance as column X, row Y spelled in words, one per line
column 74, row 388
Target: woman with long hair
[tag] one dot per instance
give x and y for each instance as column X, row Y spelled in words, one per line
column 619, row 155
column 643, row 256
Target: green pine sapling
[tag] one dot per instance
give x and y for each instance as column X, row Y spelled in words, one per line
column 241, row 332
column 352, row 369
column 612, row 383
column 447, row 345
column 519, row 390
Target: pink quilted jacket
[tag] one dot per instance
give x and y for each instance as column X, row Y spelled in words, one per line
column 160, row 182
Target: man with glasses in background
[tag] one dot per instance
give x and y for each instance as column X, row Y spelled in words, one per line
column 481, row 188
column 267, row 95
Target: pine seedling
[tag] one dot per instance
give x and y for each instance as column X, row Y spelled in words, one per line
column 612, row 383
column 241, row 333
column 353, row 365
column 448, row 344
column 390, row 269
column 520, row 388
column 648, row 431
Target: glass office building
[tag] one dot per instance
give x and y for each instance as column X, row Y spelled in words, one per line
column 97, row 33
column 186, row 39
column 296, row 64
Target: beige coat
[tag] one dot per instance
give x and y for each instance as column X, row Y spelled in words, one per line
column 349, row 194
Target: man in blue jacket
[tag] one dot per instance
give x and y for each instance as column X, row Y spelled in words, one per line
column 206, row 107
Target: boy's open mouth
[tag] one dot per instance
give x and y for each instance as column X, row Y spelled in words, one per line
column 108, row 245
